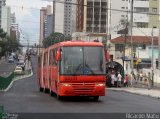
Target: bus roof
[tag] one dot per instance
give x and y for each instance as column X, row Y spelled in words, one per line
column 76, row 43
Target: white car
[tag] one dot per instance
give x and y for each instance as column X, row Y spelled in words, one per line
column 10, row 59
column 22, row 65
column 18, row 70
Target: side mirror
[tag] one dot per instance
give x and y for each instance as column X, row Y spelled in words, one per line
column 58, row 55
column 107, row 55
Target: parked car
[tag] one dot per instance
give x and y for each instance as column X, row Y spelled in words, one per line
column 21, row 64
column 18, row 70
column 11, row 59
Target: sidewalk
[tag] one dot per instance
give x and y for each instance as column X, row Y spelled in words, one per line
column 29, row 73
column 2, row 60
column 141, row 91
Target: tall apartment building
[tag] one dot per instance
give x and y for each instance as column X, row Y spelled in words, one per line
column 44, row 11
column 2, row 3
column 65, row 17
column 6, row 19
column 146, row 20
column 13, row 18
column 117, row 12
column 141, row 18
column 48, row 25
column 92, row 16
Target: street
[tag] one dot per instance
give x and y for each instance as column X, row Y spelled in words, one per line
column 6, row 67
column 24, row 97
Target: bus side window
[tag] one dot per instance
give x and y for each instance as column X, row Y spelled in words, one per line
column 39, row 61
column 54, row 63
column 51, row 57
column 44, row 62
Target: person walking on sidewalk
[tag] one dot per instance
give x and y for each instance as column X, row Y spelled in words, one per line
column 126, row 81
column 141, row 76
column 119, row 79
column 112, row 78
column 149, row 80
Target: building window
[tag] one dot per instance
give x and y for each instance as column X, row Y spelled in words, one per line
column 122, row 7
column 119, row 47
column 142, row 25
column 122, row 15
column 154, row 9
column 137, row 9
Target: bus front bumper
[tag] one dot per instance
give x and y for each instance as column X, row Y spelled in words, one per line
column 66, row 89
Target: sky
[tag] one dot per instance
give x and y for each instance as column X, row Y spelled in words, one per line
column 27, row 14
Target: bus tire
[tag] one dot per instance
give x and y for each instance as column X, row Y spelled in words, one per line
column 59, row 97
column 52, row 93
column 96, row 98
column 41, row 89
column 46, row 90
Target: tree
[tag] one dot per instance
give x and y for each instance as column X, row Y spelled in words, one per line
column 7, row 44
column 55, row 37
column 2, row 33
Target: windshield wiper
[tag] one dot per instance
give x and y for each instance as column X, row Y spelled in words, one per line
column 80, row 66
column 88, row 70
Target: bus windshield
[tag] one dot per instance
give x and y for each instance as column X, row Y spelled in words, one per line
column 82, row 61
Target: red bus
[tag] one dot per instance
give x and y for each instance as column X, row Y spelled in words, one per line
column 73, row 68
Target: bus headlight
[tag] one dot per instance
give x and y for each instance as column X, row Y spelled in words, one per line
column 100, row 84
column 66, row 84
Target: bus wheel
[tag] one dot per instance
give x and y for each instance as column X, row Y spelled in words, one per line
column 52, row 93
column 59, row 97
column 46, row 90
column 41, row 89
column 96, row 98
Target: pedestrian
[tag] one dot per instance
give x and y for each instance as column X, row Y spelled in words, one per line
column 112, row 78
column 141, row 76
column 126, row 81
column 145, row 78
column 149, row 80
column 115, row 81
column 119, row 77
column 137, row 77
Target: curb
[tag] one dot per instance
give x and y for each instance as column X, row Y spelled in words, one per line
column 127, row 91
column 15, row 79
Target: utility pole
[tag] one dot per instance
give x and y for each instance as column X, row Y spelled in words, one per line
column 131, row 25
column 152, row 58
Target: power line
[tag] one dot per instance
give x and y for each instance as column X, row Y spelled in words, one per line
column 90, row 6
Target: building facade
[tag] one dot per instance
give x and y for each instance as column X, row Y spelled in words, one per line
column 6, row 19
column 145, row 14
column 150, row 19
column 49, row 26
column 92, row 16
column 65, row 17
column 44, row 11
column 116, row 14
column 2, row 3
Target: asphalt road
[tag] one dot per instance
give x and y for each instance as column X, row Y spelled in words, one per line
column 6, row 68
column 24, row 97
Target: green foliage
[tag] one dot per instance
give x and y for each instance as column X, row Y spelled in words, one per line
column 7, row 44
column 5, row 81
column 54, row 38
column 2, row 33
